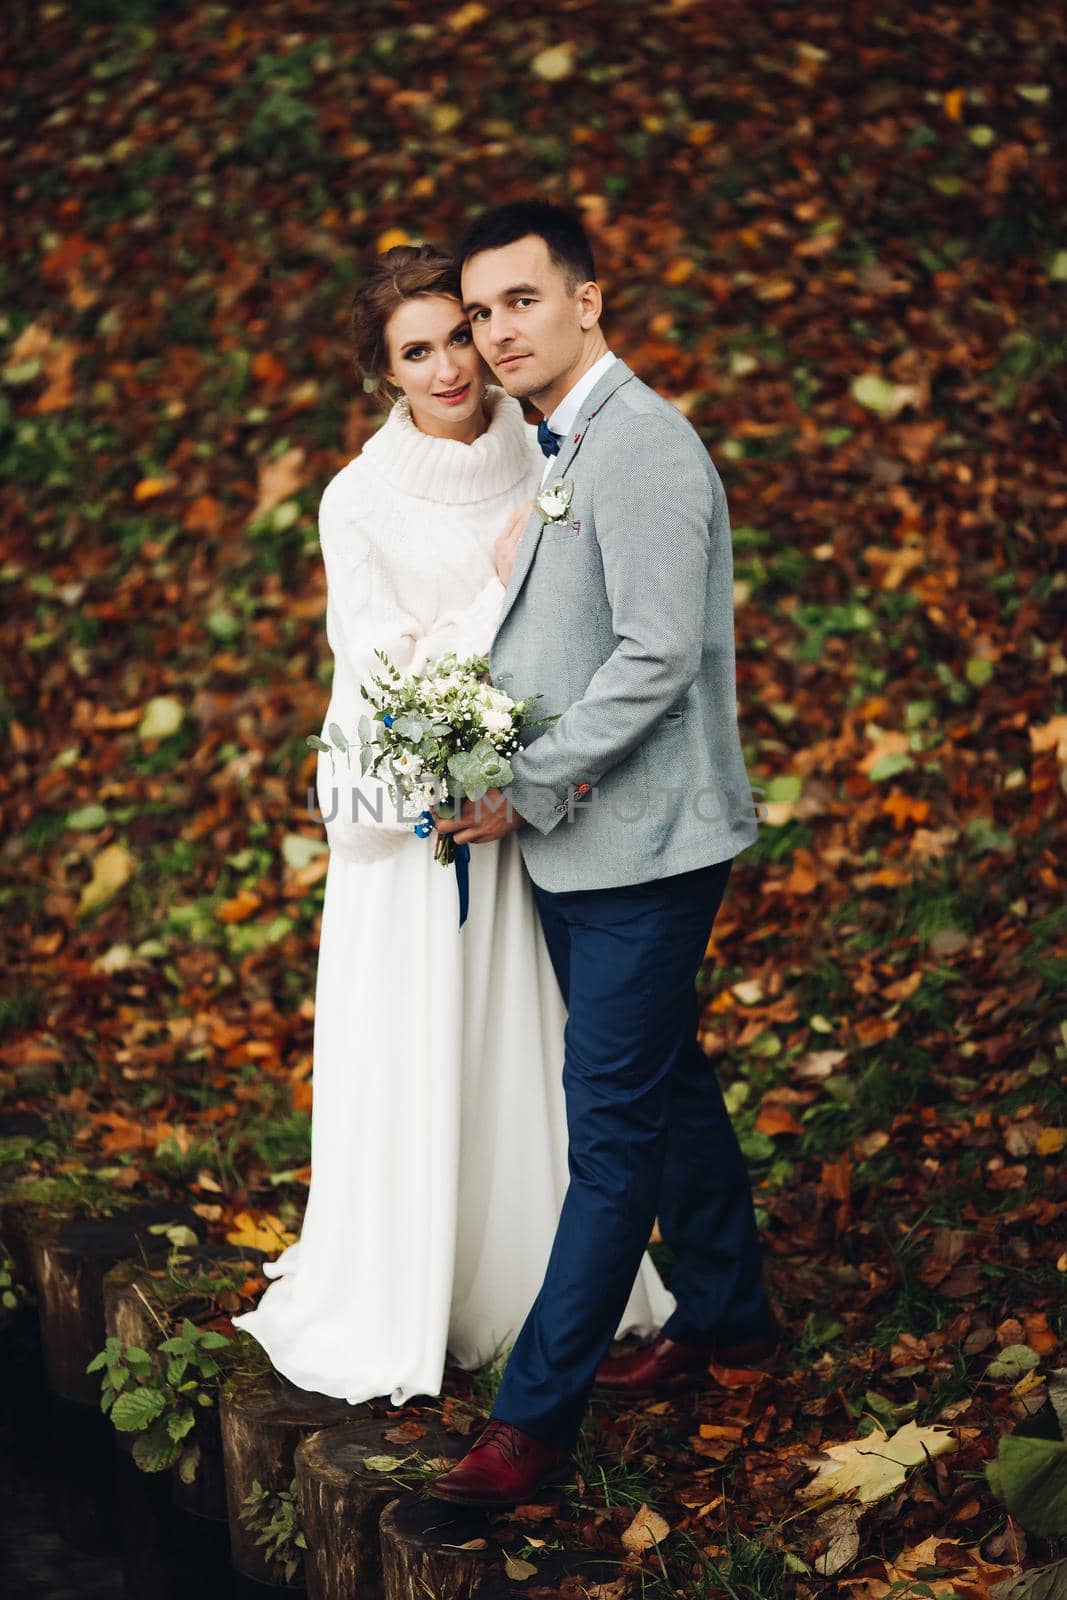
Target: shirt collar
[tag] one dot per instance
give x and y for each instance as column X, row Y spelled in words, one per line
column 563, row 417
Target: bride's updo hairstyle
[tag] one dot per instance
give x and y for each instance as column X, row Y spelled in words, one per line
column 406, row 272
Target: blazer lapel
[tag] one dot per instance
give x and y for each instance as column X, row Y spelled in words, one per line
column 613, row 379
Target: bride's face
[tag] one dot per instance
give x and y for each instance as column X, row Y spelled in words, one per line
column 433, row 359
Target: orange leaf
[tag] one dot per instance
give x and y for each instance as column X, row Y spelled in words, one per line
column 904, row 808
column 679, row 270
column 240, row 907
column 777, row 1119
column 267, row 368
column 872, row 1030
column 836, row 1178
column 149, row 488
column 204, row 515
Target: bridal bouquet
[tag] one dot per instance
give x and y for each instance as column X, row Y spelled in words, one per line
column 436, row 737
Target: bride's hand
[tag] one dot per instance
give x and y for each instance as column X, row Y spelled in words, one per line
column 508, row 542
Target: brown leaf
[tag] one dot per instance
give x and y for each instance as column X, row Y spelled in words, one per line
column 647, row 1529
column 279, row 480
column 777, row 1119
column 403, row 1432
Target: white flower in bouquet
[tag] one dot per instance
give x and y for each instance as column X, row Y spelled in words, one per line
column 407, row 764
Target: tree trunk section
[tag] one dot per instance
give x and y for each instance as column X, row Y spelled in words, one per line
column 419, row 1559
column 262, row 1420
column 341, row 1499
column 69, row 1260
column 414, row 1532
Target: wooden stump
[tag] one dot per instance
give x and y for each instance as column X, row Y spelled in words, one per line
column 16, row 1215
column 263, row 1419
column 416, row 1534
column 81, row 1466
column 69, row 1259
column 341, row 1499
column 419, row 1536
column 560, row 1572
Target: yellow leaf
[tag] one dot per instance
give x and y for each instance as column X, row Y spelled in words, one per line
column 391, row 237
column 953, row 104
column 444, row 117
column 465, row 17
column 162, row 716
column 517, row 1569
column 262, row 1233
column 878, row 1464
column 111, row 869
column 554, row 63
column 647, row 1528
column 148, row 488
column 1050, row 1141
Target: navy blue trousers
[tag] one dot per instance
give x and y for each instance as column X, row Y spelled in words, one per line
column 648, row 1136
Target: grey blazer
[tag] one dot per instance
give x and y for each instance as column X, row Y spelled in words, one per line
column 621, row 617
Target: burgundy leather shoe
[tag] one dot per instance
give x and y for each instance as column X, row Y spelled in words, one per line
column 661, row 1366
column 504, row 1468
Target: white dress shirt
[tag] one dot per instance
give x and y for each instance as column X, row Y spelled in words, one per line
column 563, row 417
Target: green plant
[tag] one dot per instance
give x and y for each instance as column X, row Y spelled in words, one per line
column 274, row 1513
column 749, row 1569
column 1029, row 1474
column 160, row 1408
column 13, row 1294
column 485, row 1380
column 621, row 1478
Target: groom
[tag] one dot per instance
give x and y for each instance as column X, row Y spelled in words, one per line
column 630, row 808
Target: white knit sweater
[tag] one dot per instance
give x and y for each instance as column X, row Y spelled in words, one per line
column 407, row 530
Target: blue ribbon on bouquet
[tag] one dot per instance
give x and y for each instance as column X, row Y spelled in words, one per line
column 424, row 827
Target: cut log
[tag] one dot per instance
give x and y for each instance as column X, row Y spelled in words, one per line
column 341, row 1499
column 69, row 1259
column 419, row 1539
column 80, row 1464
column 419, row 1536
column 569, row 1574
column 16, row 1215
column 263, row 1419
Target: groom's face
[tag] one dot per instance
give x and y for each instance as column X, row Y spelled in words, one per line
column 528, row 323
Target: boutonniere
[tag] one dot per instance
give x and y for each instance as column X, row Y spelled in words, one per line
column 554, row 502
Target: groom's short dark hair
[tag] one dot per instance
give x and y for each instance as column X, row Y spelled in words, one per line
column 566, row 239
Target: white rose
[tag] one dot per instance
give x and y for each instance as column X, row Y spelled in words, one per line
column 495, row 721
column 407, row 764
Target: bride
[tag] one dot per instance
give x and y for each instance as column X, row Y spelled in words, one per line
column 438, row 1136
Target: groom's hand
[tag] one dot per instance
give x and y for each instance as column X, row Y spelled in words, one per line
column 481, row 821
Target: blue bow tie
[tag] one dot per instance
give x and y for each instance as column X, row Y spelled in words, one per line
column 548, row 440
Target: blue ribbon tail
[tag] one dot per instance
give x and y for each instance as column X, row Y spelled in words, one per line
column 463, row 856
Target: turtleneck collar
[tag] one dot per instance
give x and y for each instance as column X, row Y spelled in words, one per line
column 444, row 470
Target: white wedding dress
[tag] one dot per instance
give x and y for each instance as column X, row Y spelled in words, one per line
column 438, row 1139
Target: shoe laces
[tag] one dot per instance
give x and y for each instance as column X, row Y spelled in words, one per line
column 504, row 1437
